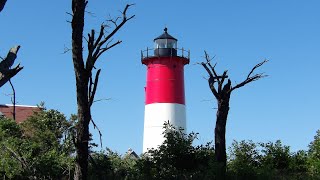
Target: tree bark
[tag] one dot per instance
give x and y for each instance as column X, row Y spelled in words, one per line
column 82, row 79
column 6, row 72
column 220, row 135
column 6, row 76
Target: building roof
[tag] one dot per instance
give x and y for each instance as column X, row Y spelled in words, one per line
column 165, row 35
column 131, row 154
column 22, row 111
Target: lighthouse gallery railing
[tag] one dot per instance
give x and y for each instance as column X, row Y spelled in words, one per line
column 179, row 52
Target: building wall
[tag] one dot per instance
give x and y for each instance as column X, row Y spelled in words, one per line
column 22, row 111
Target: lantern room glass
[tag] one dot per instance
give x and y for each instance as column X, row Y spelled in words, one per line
column 166, row 43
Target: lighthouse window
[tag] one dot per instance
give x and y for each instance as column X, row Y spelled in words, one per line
column 165, row 43
column 171, row 43
column 160, row 43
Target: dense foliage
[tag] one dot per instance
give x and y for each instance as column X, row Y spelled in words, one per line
column 177, row 158
column 37, row 148
column 42, row 148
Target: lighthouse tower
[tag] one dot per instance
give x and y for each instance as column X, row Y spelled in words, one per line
column 164, row 91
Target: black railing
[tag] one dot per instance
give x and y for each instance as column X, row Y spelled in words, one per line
column 158, row 52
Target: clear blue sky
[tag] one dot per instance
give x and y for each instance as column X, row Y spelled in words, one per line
column 283, row 106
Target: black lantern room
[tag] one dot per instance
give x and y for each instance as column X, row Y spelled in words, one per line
column 165, row 45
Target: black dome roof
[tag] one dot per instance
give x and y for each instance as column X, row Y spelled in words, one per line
column 165, row 35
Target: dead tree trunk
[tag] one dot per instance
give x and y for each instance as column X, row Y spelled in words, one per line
column 84, row 115
column 222, row 92
column 220, row 131
column 85, row 85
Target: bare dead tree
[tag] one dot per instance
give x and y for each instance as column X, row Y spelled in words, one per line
column 86, row 82
column 222, row 92
column 6, row 72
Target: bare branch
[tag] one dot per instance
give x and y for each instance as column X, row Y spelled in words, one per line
column 13, row 100
column 107, row 48
column 65, row 49
column 90, row 60
column 95, row 46
column 90, row 87
column 214, row 76
column 5, row 76
column 69, row 14
column 250, row 77
column 99, row 37
column 207, row 69
column 124, row 20
column 105, row 99
column 224, row 76
column 208, row 59
column 114, row 21
column 256, row 66
column 96, row 127
column 211, row 80
column 125, row 10
column 86, row 39
column 95, row 84
column 90, row 13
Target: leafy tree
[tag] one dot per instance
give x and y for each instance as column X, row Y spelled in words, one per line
column 99, row 166
column 110, row 165
column 176, row 158
column 279, row 163
column 298, row 167
column 244, row 160
column 86, row 81
column 35, row 149
column 314, row 156
column 275, row 156
column 270, row 160
column 11, row 165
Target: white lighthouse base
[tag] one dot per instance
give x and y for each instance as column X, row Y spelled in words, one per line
column 155, row 116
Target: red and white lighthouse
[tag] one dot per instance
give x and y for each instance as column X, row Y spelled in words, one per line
column 164, row 91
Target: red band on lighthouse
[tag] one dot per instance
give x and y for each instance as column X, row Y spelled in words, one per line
column 165, row 80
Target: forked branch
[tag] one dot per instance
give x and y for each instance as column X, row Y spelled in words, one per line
column 250, row 77
column 213, row 76
column 227, row 88
column 96, row 47
column 211, row 80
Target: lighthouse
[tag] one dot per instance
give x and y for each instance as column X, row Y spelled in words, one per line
column 164, row 91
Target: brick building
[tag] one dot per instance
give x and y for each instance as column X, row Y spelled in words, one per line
column 22, row 111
